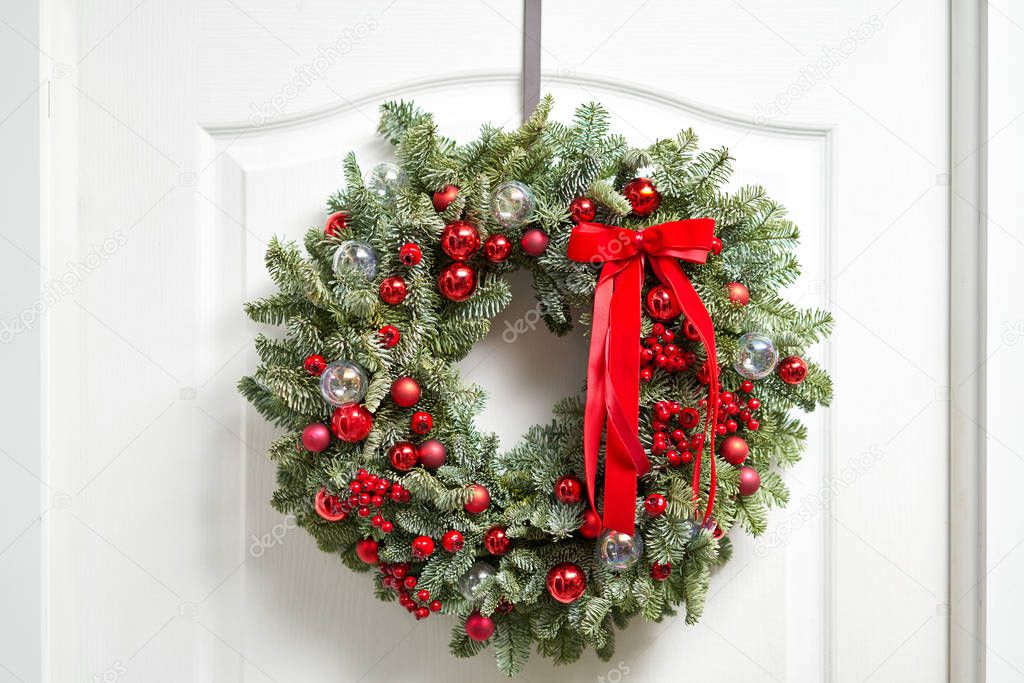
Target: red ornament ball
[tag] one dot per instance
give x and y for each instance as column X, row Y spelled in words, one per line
column 352, row 423
column 592, row 525
column 316, row 437
column 655, row 504
column 479, row 499
column 496, row 541
column 566, row 582
column 432, row 454
column 393, row 290
column 422, row 546
column 792, row 370
column 534, row 242
column 738, row 293
column 366, row 550
column 389, row 336
column 410, row 254
column 734, row 450
column 662, row 304
column 443, row 197
column 750, row 481
column 460, row 240
column 568, row 489
column 642, row 196
column 336, row 224
column 314, row 364
column 660, row 572
column 457, row 281
column 329, row 507
column 405, row 392
column 479, row 627
column 497, row 248
column 583, row 209
column 716, row 246
column 452, row 541
column 421, row 422
column 403, row 456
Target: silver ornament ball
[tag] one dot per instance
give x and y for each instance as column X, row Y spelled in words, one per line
column 513, row 203
column 384, row 180
column 474, row 576
column 756, row 356
column 355, row 256
column 343, row 382
column 619, row 551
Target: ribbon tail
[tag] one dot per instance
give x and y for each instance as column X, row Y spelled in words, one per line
column 594, row 414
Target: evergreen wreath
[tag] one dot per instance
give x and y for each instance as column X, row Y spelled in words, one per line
column 381, row 461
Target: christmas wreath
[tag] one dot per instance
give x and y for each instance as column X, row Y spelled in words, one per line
column 623, row 504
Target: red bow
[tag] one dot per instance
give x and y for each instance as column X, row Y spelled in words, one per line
column 613, row 371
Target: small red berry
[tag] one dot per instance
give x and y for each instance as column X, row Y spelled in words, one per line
column 389, row 336
column 410, row 254
column 423, row 546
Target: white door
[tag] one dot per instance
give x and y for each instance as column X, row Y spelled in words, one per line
column 183, row 135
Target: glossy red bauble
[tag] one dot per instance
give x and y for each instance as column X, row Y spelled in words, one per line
column 534, row 242
column 592, row 525
column 421, row 422
column 479, row 627
column 496, row 541
column 642, row 196
column 655, row 504
column 389, row 336
column 750, row 481
column 316, row 437
column 405, row 392
column 336, row 224
column 582, row 209
column 422, row 547
column 566, row 582
column 314, row 364
column 479, row 499
column 716, row 246
column 734, row 450
column 660, row 572
column 457, row 281
column 497, row 248
column 443, row 197
column 738, row 293
column 460, row 240
column 792, row 370
column 432, row 454
column 393, row 290
column 329, row 507
column 662, row 304
column 452, row 541
column 366, row 550
column 568, row 489
column 403, row 456
column 410, row 254
column 352, row 423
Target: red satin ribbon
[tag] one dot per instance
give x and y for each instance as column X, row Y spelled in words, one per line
column 613, row 371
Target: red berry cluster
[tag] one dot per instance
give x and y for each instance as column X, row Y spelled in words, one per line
column 659, row 350
column 366, row 491
column 683, row 444
column 734, row 410
column 397, row 577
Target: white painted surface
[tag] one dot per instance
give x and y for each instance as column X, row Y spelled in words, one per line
column 152, row 576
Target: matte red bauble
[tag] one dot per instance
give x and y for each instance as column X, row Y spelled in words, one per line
column 457, row 281
column 479, row 627
column 738, row 293
column 432, row 454
column 405, row 392
column 655, row 504
column 366, row 550
column 534, row 242
column 568, row 489
column 660, row 572
column 642, row 196
column 452, row 541
column 336, row 224
column 792, row 370
column 421, row 422
column 443, row 197
column 422, row 546
column 592, row 525
column 316, row 437
column 314, row 364
column 497, row 248
column 460, row 240
column 410, row 254
column 750, row 481
column 662, row 304
column 479, row 499
column 393, row 290
column 329, row 507
column 496, row 541
column 734, row 450
column 389, row 336
column 582, row 209
column 352, row 423
column 566, row 582
column 403, row 456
